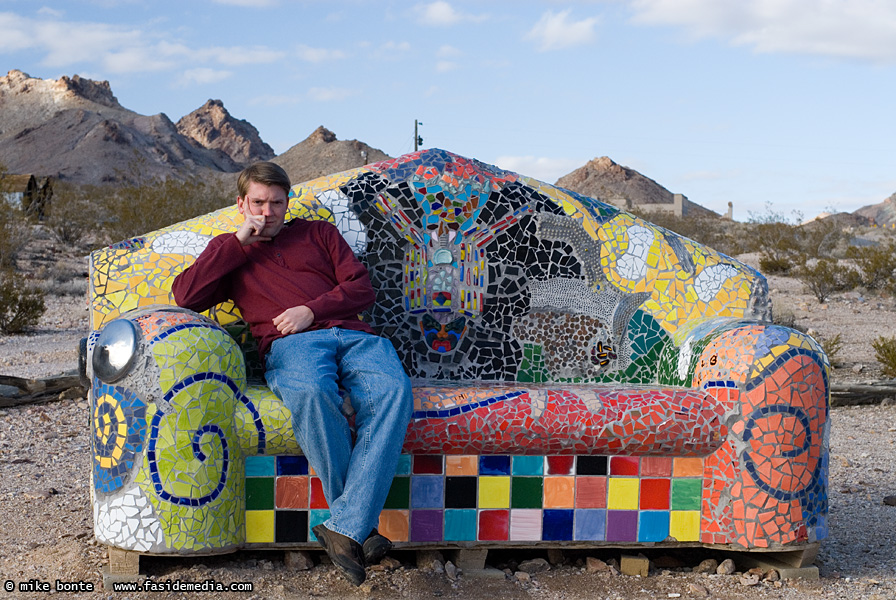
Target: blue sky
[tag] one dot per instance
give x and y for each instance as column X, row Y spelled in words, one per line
column 788, row 102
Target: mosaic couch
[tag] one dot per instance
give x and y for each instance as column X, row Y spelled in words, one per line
column 582, row 378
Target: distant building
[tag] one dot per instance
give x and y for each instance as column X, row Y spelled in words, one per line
column 679, row 207
column 26, row 193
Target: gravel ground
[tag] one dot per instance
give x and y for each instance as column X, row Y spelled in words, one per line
column 45, row 508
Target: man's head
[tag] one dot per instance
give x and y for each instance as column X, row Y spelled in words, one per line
column 263, row 189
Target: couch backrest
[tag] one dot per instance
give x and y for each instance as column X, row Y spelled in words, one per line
column 481, row 274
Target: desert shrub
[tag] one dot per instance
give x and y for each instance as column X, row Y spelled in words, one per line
column 831, row 346
column 826, row 277
column 21, row 306
column 15, row 232
column 74, row 213
column 885, row 352
column 877, row 265
column 784, row 316
column 140, row 208
column 778, row 241
column 821, row 237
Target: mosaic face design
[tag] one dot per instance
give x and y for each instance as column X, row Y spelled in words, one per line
column 581, row 375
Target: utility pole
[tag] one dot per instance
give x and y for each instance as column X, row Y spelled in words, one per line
column 418, row 141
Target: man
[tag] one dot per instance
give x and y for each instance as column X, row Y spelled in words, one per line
column 300, row 289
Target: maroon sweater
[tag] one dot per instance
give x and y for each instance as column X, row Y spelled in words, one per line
column 307, row 263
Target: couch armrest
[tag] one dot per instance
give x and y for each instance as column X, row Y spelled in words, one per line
column 767, row 485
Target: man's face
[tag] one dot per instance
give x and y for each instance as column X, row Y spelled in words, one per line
column 268, row 201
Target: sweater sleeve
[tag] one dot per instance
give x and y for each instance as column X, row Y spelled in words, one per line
column 353, row 292
column 204, row 284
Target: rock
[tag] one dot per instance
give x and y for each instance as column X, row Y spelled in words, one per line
column 771, row 575
column 450, row 570
column 596, row 565
column 695, row 589
column 212, row 127
column 707, row 566
column 749, row 579
column 857, row 368
column 299, row 560
column 522, row 577
column 634, row 565
column 556, row 556
column 726, row 568
column 535, row 565
column 890, row 500
column 390, row 563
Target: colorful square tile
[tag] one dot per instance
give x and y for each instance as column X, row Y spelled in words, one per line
column 494, row 525
column 591, row 525
column 525, row 525
column 686, row 494
column 494, row 492
column 622, row 525
column 315, row 518
column 684, row 525
column 292, row 492
column 494, row 465
column 591, row 465
column 656, row 466
column 654, row 494
column 395, row 525
column 557, row 524
column 687, row 466
column 653, row 525
column 292, row 465
column 426, row 525
column 260, row 493
column 399, row 494
column 427, row 491
column 622, row 494
column 460, row 492
column 260, row 466
column 591, row 492
column 259, row 526
column 291, row 526
column 624, row 465
column 560, row 465
column 461, row 465
column 426, row 464
column 559, row 492
column 460, row 525
column 528, row 465
column 404, row 465
column 526, row 492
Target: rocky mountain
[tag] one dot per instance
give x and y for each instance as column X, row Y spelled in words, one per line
column 212, row 127
column 76, row 130
column 321, row 154
column 882, row 213
column 626, row 188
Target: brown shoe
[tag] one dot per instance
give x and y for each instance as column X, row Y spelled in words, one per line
column 375, row 547
column 344, row 552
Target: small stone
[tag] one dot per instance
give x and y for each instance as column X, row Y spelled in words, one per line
column 437, row 566
column 749, row 579
column 556, row 556
column 771, row 575
column 298, row 560
column 535, row 565
column 634, row 565
column 673, row 595
column 522, row 577
column 890, row 500
column 450, row 570
column 726, row 568
column 390, row 563
column 695, row 589
column 707, row 566
column 858, row 368
column 596, row 565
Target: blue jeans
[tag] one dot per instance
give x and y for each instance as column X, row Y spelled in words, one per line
column 305, row 370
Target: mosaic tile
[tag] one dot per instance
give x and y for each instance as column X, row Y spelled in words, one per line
column 580, row 375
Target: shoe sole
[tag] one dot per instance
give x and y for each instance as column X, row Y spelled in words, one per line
column 354, row 577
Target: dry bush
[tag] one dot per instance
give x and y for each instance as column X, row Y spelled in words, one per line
column 21, row 306
column 826, row 277
column 136, row 209
column 74, row 213
column 885, row 352
column 15, row 233
column 877, row 265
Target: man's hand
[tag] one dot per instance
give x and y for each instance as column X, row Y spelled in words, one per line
column 249, row 232
column 294, row 320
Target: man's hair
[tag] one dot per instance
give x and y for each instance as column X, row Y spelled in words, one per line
column 265, row 173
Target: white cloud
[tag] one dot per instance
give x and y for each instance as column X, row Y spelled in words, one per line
column 557, row 31
column 330, row 94
column 442, row 14
column 316, row 55
column 860, row 29
column 543, row 168
column 237, row 55
column 447, row 51
column 444, row 66
column 50, row 12
column 203, row 75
